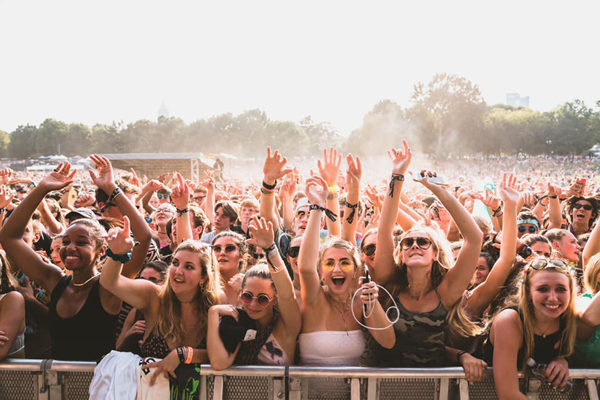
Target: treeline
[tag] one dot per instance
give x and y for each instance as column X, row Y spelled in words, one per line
column 447, row 117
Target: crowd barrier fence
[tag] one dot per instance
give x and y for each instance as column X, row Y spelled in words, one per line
column 59, row 380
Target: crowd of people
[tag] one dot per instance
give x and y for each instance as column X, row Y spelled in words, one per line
column 480, row 265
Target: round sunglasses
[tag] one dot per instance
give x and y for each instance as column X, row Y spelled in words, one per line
column 345, row 264
column 369, row 249
column 531, row 229
column 262, row 299
column 422, row 242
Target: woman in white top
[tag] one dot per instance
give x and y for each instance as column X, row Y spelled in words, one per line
column 330, row 334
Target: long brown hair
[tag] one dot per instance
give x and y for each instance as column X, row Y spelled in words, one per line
column 169, row 320
column 568, row 319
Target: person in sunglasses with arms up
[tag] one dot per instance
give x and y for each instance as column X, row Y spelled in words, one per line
column 426, row 286
column 267, row 299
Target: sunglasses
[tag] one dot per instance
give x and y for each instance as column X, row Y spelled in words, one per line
column 542, row 263
column 162, row 196
column 586, row 207
column 345, row 264
column 198, row 198
column 300, row 214
column 369, row 250
column 256, row 256
column 422, row 242
column 262, row 299
column 294, row 251
column 531, row 229
column 228, row 249
column 163, row 211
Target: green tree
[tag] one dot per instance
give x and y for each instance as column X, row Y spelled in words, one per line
column 4, row 143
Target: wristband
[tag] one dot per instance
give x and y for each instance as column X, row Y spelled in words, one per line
column 180, row 355
column 496, row 211
column 330, row 214
column 352, row 213
column 114, row 194
column 122, row 258
column 32, row 185
column 333, row 189
column 269, row 187
column 266, row 191
column 190, row 355
column 270, row 248
column 553, row 196
column 181, row 212
column 395, row 177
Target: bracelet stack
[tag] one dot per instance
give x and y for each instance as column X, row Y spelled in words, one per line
column 185, row 354
column 268, row 189
column 395, row 177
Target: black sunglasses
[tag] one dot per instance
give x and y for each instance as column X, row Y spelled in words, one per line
column 294, row 251
column 369, row 249
column 586, row 207
column 523, row 228
column 262, row 299
column 423, row 243
column 228, row 248
column 256, row 256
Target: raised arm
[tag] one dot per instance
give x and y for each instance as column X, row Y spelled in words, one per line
column 48, row 219
column 458, row 277
column 350, row 220
column 555, row 213
column 181, row 198
column 263, row 234
column 310, row 283
column 486, row 291
column 592, row 246
column 137, row 292
column 11, row 234
column 273, row 169
column 103, row 178
column 209, row 203
column 329, row 170
column 286, row 195
column 385, row 265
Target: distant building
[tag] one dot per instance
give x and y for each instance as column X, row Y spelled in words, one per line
column 515, row 100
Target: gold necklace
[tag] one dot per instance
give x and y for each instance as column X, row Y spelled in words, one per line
column 341, row 308
column 84, row 283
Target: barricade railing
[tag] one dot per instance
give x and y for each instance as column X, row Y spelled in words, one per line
column 54, row 380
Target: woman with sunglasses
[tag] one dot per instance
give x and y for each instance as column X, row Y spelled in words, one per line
column 231, row 252
column 582, row 212
column 541, row 326
column 331, row 320
column 267, row 297
column 426, row 286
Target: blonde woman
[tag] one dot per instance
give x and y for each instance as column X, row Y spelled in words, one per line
column 542, row 326
column 175, row 314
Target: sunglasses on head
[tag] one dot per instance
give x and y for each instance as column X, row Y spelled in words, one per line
column 543, row 263
column 228, row 248
column 294, row 251
column 422, row 242
column 345, row 264
column 262, row 299
column 369, row 249
column 162, row 196
column 586, row 207
column 531, row 229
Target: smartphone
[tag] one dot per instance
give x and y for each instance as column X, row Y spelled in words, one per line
column 366, row 280
column 439, row 180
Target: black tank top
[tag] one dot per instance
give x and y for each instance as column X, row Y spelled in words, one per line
column 86, row 336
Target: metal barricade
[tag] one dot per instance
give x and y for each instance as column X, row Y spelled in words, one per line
column 54, row 380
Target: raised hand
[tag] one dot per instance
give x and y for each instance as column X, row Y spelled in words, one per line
column 354, row 171
column 103, row 176
column 133, row 179
column 5, row 197
column 330, row 167
column 400, row 159
column 84, row 200
column 119, row 239
column 316, row 190
column 490, row 200
column 553, row 190
column 180, row 196
column 274, row 167
column 261, row 232
column 508, row 190
column 59, row 178
column 288, row 188
column 5, row 175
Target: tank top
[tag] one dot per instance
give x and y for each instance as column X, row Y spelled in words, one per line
column 420, row 340
column 86, row 336
column 545, row 348
column 342, row 348
column 154, row 346
column 587, row 353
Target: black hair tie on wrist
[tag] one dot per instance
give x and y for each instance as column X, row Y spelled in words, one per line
column 352, row 213
column 395, row 177
column 269, row 187
column 330, row 214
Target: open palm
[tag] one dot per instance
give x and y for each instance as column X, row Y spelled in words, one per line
column 59, row 178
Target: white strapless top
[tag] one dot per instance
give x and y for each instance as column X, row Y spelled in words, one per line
column 331, row 348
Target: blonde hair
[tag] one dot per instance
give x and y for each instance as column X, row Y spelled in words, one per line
column 170, row 320
column 350, row 248
column 567, row 339
column 458, row 321
column 591, row 275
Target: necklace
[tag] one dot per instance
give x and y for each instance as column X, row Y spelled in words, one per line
column 342, row 308
column 84, row 283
